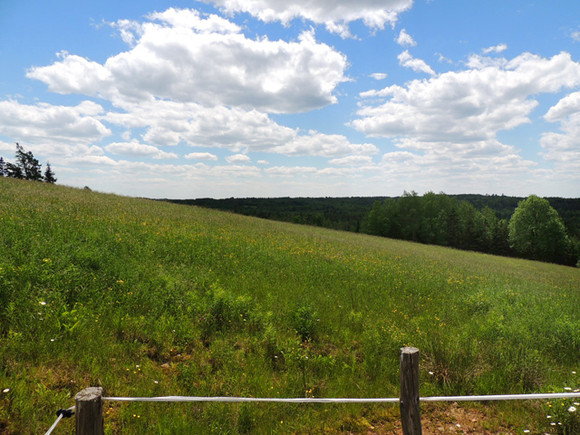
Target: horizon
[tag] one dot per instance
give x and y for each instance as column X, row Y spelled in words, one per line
column 265, row 99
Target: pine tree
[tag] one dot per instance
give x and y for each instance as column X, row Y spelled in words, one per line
column 31, row 168
column 49, row 175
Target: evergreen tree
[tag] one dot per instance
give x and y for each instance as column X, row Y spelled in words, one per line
column 31, row 168
column 2, row 167
column 14, row 171
column 49, row 175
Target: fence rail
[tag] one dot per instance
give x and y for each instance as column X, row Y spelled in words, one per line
column 89, row 409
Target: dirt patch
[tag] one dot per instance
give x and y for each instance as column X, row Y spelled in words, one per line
column 450, row 419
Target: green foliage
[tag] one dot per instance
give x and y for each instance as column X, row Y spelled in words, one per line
column 153, row 299
column 304, row 322
column 49, row 175
column 27, row 167
column 537, row 232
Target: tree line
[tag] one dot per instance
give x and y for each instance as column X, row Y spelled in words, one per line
column 535, row 230
column 26, row 167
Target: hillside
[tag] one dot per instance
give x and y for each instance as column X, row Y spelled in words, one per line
column 148, row 298
column 349, row 213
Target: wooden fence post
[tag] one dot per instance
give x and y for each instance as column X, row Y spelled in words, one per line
column 89, row 412
column 409, row 398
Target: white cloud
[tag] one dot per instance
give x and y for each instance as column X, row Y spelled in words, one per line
column 287, row 171
column 408, row 61
column 335, row 15
column 137, row 149
column 575, row 35
column 564, row 148
column 495, row 49
column 378, row 76
column 450, row 122
column 74, row 74
column 443, row 59
column 569, row 105
column 468, row 106
column 238, row 158
column 48, row 124
column 352, row 161
column 263, row 162
column 183, row 56
column 405, row 40
column 201, row 156
column 324, row 145
column 169, row 123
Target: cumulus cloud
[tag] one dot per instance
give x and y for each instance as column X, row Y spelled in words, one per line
column 564, row 148
column 335, row 15
column 408, row 61
column 288, row 171
column 352, row 161
column 171, row 123
column 184, row 56
column 466, row 106
column 238, row 158
column 49, row 124
column 451, row 121
column 324, row 145
column 405, row 40
column 201, row 156
column 136, row 149
column 495, row 49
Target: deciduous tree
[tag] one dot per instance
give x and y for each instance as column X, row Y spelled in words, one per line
column 536, row 231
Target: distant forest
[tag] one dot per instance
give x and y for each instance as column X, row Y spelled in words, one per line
column 472, row 222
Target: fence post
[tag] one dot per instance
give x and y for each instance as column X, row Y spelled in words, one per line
column 89, row 412
column 409, row 398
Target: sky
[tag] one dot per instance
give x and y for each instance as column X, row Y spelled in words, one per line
column 276, row 98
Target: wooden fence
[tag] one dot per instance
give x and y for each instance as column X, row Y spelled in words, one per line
column 89, row 402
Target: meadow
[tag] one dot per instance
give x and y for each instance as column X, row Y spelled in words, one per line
column 148, row 298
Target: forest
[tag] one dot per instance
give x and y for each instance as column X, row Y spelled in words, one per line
column 471, row 222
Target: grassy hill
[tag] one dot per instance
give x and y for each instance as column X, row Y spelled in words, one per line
column 147, row 298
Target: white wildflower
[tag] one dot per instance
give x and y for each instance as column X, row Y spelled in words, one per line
column 572, row 409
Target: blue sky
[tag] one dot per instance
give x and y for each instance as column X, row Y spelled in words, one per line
column 267, row 98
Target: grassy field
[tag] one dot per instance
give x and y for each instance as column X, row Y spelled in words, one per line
column 147, row 299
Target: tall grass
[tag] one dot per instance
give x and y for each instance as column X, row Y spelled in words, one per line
column 148, row 298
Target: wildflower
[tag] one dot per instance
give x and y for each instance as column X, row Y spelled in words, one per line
column 42, row 303
column 526, row 431
column 572, row 409
column 6, row 390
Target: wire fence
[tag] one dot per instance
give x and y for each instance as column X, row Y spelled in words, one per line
column 89, row 418
column 481, row 398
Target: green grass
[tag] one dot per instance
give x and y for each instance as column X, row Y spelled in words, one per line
column 147, row 298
